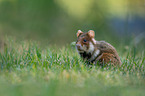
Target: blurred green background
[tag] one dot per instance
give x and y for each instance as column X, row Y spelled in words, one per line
column 57, row 21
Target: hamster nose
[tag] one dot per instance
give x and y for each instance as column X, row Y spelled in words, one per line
column 78, row 46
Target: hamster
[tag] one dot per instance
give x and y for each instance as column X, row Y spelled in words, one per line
column 96, row 51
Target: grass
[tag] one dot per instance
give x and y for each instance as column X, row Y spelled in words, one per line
column 26, row 69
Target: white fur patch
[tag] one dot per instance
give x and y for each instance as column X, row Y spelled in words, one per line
column 91, row 48
column 81, row 48
column 94, row 40
column 96, row 53
column 84, row 47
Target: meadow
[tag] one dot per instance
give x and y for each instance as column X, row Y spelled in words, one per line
column 37, row 57
column 27, row 69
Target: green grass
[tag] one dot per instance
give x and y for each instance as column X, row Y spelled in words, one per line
column 26, row 69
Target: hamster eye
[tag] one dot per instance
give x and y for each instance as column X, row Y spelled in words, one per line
column 85, row 40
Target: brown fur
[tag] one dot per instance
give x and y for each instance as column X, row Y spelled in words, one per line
column 109, row 53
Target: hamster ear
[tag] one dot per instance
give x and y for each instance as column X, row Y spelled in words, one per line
column 79, row 33
column 91, row 33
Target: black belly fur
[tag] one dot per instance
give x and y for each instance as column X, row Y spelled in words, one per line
column 85, row 55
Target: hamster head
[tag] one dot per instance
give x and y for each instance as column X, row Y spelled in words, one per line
column 85, row 41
